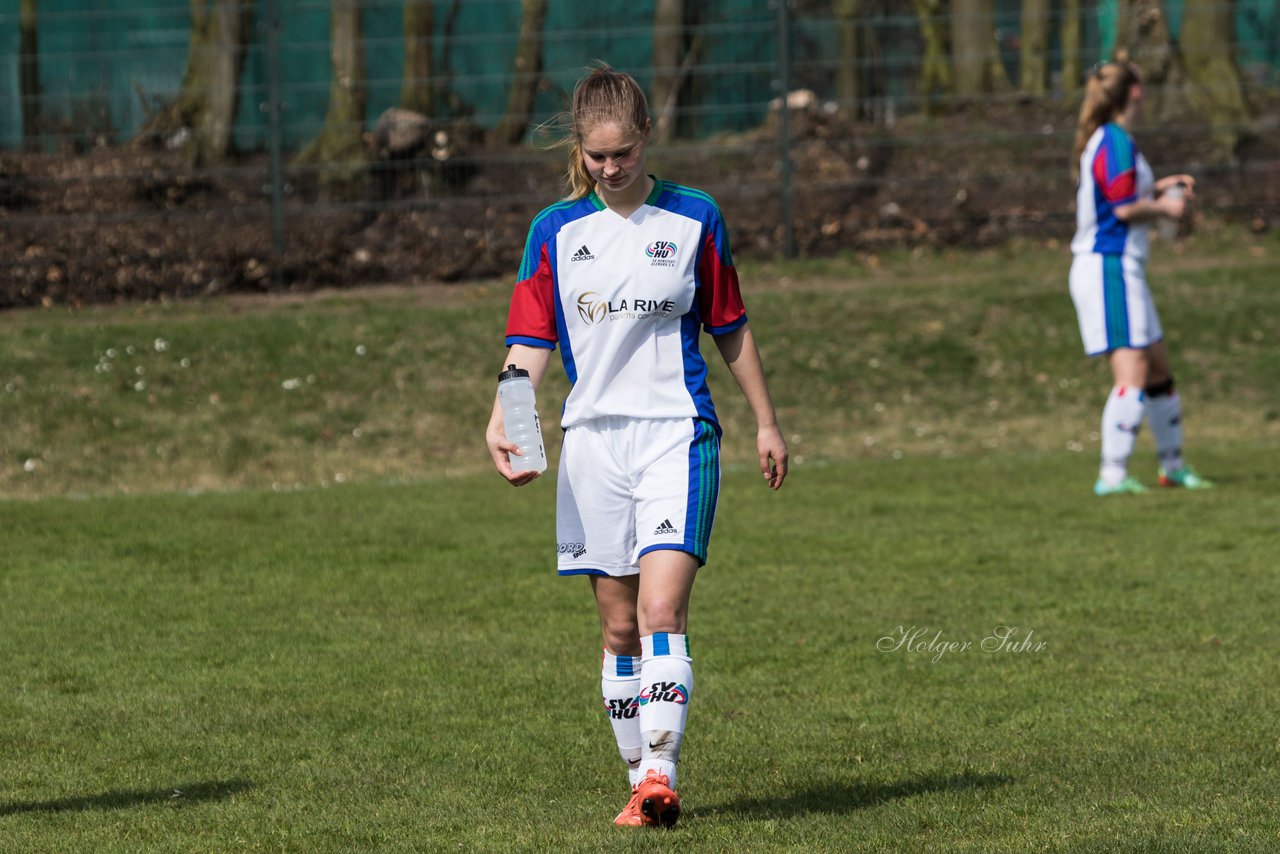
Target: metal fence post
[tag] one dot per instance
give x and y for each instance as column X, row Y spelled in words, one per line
column 783, row 85
column 274, row 141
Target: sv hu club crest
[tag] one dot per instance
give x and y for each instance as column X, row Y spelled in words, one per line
column 661, row 250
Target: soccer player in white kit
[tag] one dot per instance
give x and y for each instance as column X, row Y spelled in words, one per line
column 1117, row 197
column 622, row 276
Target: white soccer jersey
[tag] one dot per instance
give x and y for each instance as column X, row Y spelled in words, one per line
column 1113, row 173
column 625, row 299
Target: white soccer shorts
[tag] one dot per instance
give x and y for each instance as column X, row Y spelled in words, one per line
column 628, row 486
column 1113, row 304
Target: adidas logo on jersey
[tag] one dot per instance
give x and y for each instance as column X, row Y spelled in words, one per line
column 666, row 528
column 583, row 254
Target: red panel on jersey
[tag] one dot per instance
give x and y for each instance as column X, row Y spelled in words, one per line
column 533, row 304
column 719, row 298
column 1115, row 188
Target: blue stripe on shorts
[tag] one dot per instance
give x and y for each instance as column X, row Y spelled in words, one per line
column 704, row 488
column 1115, row 302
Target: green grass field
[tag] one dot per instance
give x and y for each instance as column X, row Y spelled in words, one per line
column 195, row 661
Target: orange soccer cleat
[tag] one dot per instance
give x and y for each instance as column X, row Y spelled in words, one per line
column 659, row 803
column 630, row 815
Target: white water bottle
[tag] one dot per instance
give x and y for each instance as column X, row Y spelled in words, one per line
column 520, row 418
column 1169, row 225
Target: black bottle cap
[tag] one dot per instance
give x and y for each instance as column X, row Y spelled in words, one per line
column 511, row 373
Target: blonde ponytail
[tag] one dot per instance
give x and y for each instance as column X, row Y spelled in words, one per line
column 1106, row 95
column 577, row 179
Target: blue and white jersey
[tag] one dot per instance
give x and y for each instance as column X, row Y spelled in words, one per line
column 625, row 299
column 1113, row 173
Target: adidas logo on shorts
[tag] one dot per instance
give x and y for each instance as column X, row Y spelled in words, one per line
column 666, row 528
column 583, row 254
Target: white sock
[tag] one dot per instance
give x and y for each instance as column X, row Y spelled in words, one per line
column 666, row 683
column 620, row 689
column 1164, row 414
column 1121, row 421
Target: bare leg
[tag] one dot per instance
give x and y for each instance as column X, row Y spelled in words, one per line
column 1157, row 364
column 666, row 583
column 616, row 601
column 1130, row 367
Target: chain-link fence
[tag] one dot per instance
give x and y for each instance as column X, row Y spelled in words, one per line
column 174, row 148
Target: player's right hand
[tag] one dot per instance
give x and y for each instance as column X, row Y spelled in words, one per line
column 499, row 447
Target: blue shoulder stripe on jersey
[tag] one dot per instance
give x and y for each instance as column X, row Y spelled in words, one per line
column 553, row 215
column 692, row 193
column 526, row 263
column 550, row 209
column 1121, row 146
column 696, row 204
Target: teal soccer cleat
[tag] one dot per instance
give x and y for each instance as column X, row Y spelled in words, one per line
column 1185, row 477
column 1129, row 486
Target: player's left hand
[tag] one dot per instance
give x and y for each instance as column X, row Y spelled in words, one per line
column 1188, row 184
column 772, row 449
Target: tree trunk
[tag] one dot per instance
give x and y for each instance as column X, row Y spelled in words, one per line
column 1033, row 72
column 848, row 72
column 214, row 126
column 973, row 45
column 417, row 93
column 29, row 75
column 1142, row 36
column 1212, row 78
column 339, row 147
column 525, row 75
column 935, row 65
column 206, row 102
column 448, row 102
column 1069, row 37
column 668, row 49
